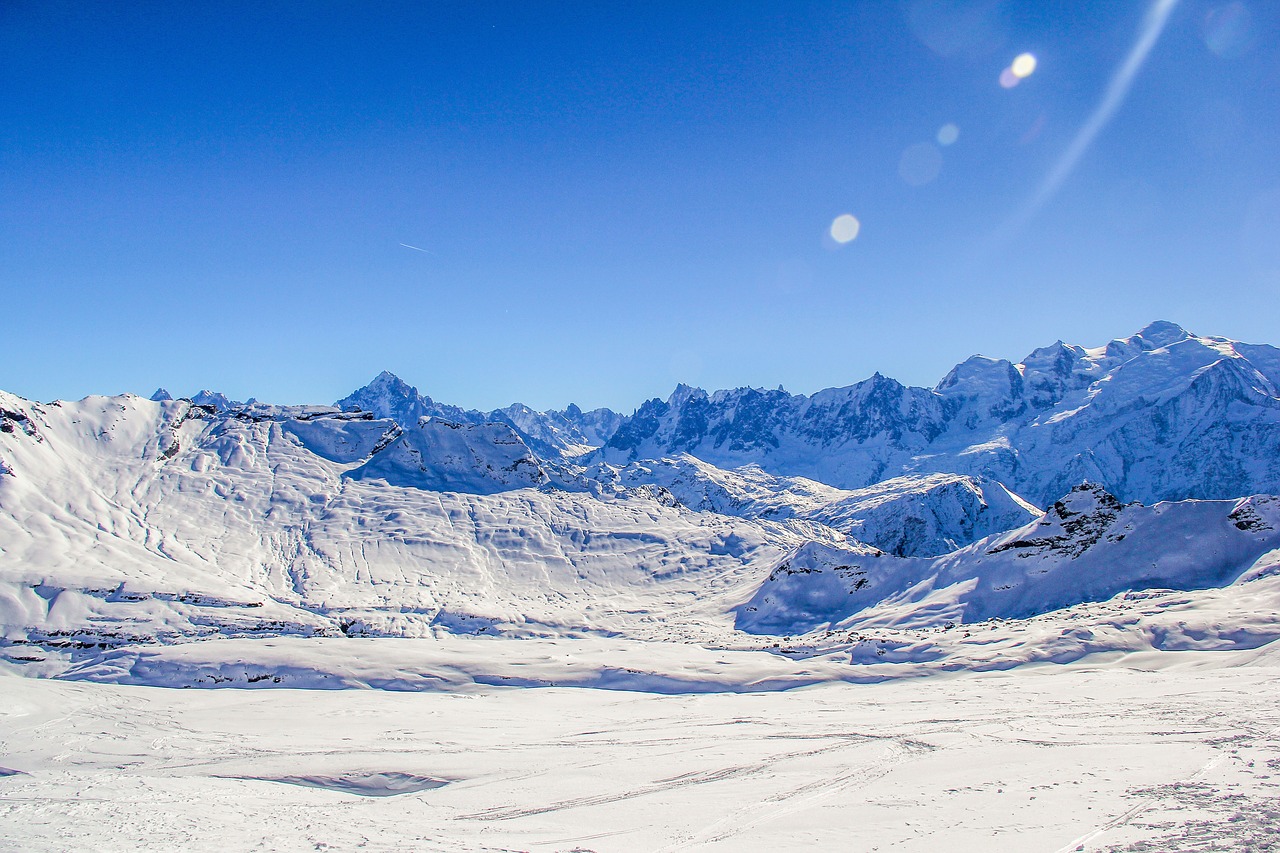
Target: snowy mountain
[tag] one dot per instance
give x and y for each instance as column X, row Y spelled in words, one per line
column 925, row 515
column 565, row 434
column 719, row 519
column 1163, row 414
column 847, row 437
column 912, row 515
column 1087, row 547
column 124, row 520
column 441, row 456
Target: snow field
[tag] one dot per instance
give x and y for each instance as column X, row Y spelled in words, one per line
column 1158, row 752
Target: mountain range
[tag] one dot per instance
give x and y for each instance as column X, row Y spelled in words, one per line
column 708, row 517
column 1161, row 415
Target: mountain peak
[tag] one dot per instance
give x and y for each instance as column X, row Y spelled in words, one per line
column 160, row 396
column 388, row 396
column 683, row 394
column 1084, row 497
column 387, row 379
column 1161, row 333
column 216, row 399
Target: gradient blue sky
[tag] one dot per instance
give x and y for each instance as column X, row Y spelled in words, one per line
column 615, row 196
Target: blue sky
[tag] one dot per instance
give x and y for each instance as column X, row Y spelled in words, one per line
column 614, row 197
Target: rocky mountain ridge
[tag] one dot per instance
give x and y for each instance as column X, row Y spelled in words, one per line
column 553, row 434
column 1163, row 414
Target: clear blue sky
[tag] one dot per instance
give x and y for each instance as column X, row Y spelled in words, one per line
column 615, row 196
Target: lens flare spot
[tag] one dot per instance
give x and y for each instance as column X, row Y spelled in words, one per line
column 1008, row 79
column 1023, row 66
column 956, row 28
column 920, row 164
column 947, row 134
column 1229, row 31
column 845, row 228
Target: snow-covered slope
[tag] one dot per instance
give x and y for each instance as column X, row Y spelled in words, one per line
column 441, row 456
column 128, row 520
column 1087, row 547
column 1160, row 415
column 912, row 515
column 747, row 492
column 925, row 515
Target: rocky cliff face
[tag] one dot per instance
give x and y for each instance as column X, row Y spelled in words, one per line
column 846, row 437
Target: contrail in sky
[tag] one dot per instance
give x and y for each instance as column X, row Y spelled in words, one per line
column 1117, row 89
column 417, row 248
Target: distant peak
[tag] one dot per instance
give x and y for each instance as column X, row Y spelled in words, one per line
column 386, row 377
column 216, row 399
column 161, row 396
column 879, row 378
column 388, row 382
column 683, row 394
column 1085, row 497
column 1161, row 333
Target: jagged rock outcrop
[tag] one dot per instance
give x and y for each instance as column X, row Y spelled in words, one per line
column 846, row 437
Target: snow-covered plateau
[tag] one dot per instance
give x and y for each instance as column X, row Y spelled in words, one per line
column 1032, row 608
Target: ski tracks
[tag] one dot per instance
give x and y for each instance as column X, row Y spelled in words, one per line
column 802, row 797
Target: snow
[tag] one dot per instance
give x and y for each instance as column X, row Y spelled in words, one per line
column 1175, row 753
column 925, row 515
column 1163, row 414
column 441, row 456
column 1086, row 548
column 806, row 622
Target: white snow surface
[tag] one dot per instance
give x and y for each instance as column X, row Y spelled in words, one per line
column 448, row 639
column 441, row 456
column 1175, row 752
column 913, row 515
column 925, row 515
column 126, row 519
